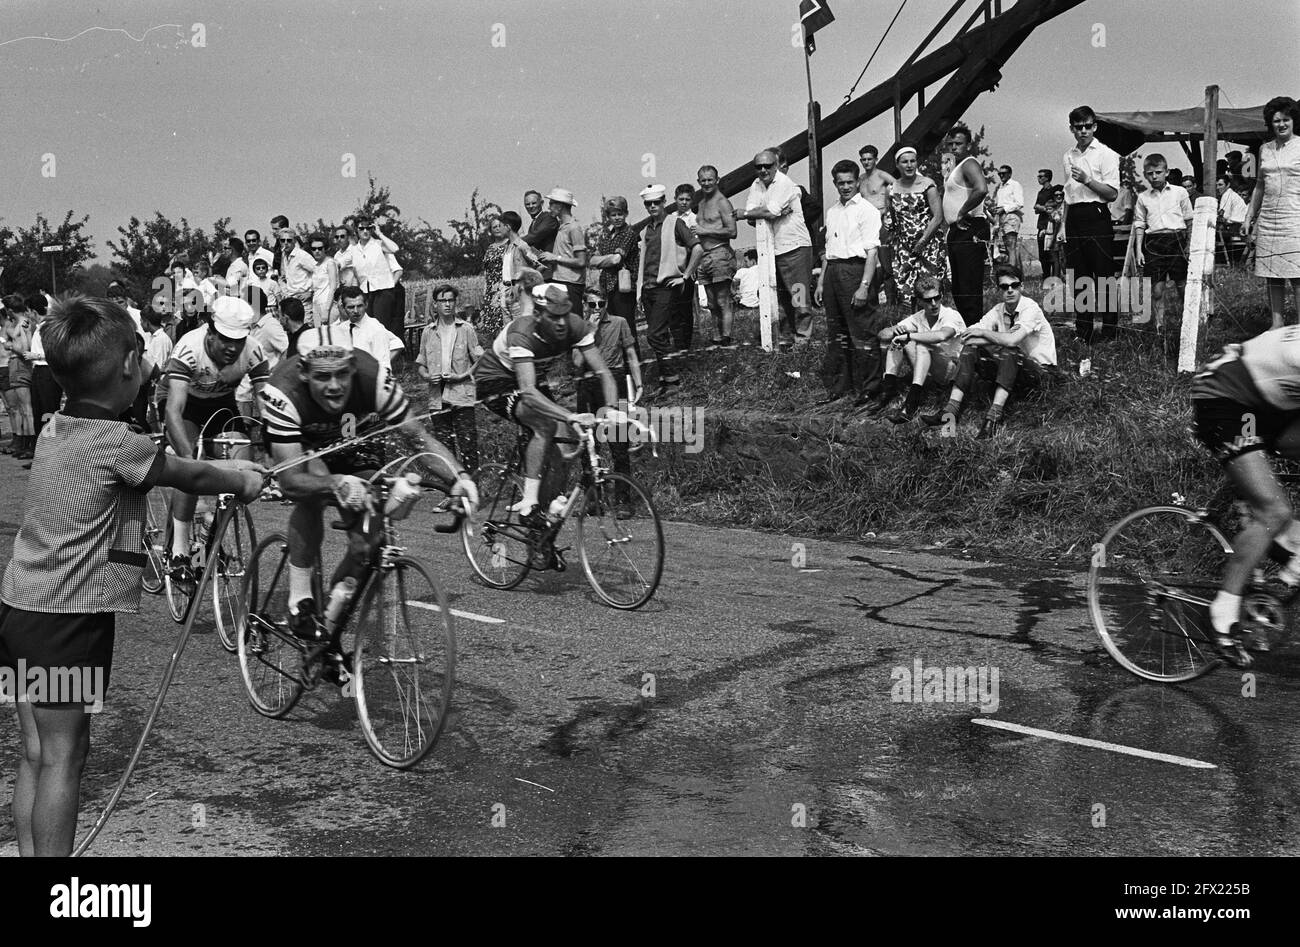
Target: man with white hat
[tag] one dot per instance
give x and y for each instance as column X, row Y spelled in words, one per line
column 206, row 366
column 510, row 378
column 568, row 257
column 305, row 405
column 670, row 252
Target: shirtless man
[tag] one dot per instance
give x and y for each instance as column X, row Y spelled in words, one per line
column 874, row 187
column 715, row 225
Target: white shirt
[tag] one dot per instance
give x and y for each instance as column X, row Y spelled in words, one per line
column 158, row 347
column 324, row 284
column 1010, row 197
column 852, row 229
column 366, row 334
column 788, row 232
column 208, row 290
column 1102, row 165
column 298, row 270
column 1232, row 208
column 135, row 315
column 238, row 273
column 373, row 265
column 1040, row 343
column 947, row 319
column 749, row 281
column 1162, row 211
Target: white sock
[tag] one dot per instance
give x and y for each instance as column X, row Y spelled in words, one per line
column 180, row 537
column 299, row 586
column 1225, row 610
column 532, row 486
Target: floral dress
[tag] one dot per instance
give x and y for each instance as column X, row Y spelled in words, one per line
column 494, row 316
column 910, row 215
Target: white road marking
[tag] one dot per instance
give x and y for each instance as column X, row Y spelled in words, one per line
column 485, row 619
column 811, row 570
column 1095, row 744
column 531, row 783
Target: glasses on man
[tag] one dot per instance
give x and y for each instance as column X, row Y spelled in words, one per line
column 930, row 300
column 341, row 236
column 1007, row 287
column 763, row 167
column 1083, row 126
column 318, row 246
column 595, row 303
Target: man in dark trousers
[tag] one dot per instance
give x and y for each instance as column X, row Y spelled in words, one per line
column 1091, row 183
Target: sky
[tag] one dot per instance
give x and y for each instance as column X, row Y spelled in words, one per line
column 249, row 109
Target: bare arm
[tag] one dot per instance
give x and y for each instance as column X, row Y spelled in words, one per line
column 178, row 394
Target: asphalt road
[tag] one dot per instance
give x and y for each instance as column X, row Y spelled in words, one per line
column 772, row 727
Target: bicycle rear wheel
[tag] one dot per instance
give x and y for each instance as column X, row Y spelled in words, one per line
column 157, row 516
column 236, row 549
column 621, row 541
column 270, row 657
column 1150, row 585
column 404, row 665
column 496, row 543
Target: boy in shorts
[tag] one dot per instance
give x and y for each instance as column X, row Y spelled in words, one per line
column 77, row 559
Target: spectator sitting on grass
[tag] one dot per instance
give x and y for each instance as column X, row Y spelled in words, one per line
column 1013, row 345
column 925, row 341
column 744, row 286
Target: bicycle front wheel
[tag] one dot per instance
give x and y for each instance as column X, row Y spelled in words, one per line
column 270, row 657
column 180, row 588
column 1150, row 585
column 157, row 516
column 404, row 665
column 228, row 582
column 621, row 541
column 495, row 541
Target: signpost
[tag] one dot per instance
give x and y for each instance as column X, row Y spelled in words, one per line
column 51, row 249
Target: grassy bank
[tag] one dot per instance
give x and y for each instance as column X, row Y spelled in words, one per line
column 1068, row 464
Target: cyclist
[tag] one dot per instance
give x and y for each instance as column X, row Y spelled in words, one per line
column 507, row 379
column 1248, row 402
column 204, row 369
column 315, row 400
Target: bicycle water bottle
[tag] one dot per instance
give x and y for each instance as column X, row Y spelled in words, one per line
column 340, row 595
column 402, row 496
column 556, row 509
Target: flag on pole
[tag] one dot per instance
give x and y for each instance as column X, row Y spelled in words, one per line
column 814, row 14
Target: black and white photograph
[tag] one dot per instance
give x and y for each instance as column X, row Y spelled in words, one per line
column 686, row 428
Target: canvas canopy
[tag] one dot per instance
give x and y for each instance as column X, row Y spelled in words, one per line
column 1125, row 132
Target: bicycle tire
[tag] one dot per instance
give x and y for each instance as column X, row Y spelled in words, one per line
column 236, row 550
column 180, row 594
column 152, row 537
column 609, row 527
column 494, row 540
column 270, row 658
column 1150, row 583
column 403, row 663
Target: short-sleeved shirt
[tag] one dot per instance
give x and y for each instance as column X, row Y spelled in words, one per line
column 570, row 240
column 79, row 549
column 293, row 416
column 1040, row 343
column 749, row 281
column 1163, row 211
column 621, row 240
column 1271, row 379
column 681, row 234
column 947, row 319
column 520, row 341
column 613, row 338
column 789, row 232
column 190, row 362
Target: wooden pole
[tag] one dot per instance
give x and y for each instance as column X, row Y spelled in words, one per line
column 814, row 119
column 1209, row 160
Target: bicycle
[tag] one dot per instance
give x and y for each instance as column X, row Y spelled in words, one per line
column 154, row 534
column 620, row 538
column 232, row 551
column 1150, row 584
column 401, row 665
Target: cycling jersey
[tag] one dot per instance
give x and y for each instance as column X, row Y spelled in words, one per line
column 521, row 341
column 1262, row 373
column 293, row 416
column 190, row 362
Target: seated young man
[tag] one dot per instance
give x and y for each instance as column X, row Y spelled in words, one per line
column 508, row 383
column 927, row 343
column 1013, row 345
column 304, row 405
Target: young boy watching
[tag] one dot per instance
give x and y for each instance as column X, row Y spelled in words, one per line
column 77, row 558
column 1162, row 225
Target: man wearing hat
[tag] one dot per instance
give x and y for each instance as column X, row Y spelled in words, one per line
column 206, row 366
column 568, row 257
column 511, row 378
column 669, row 255
column 304, row 405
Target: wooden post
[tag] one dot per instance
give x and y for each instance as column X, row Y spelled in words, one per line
column 1202, row 246
column 767, row 304
column 1209, row 160
column 814, row 153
